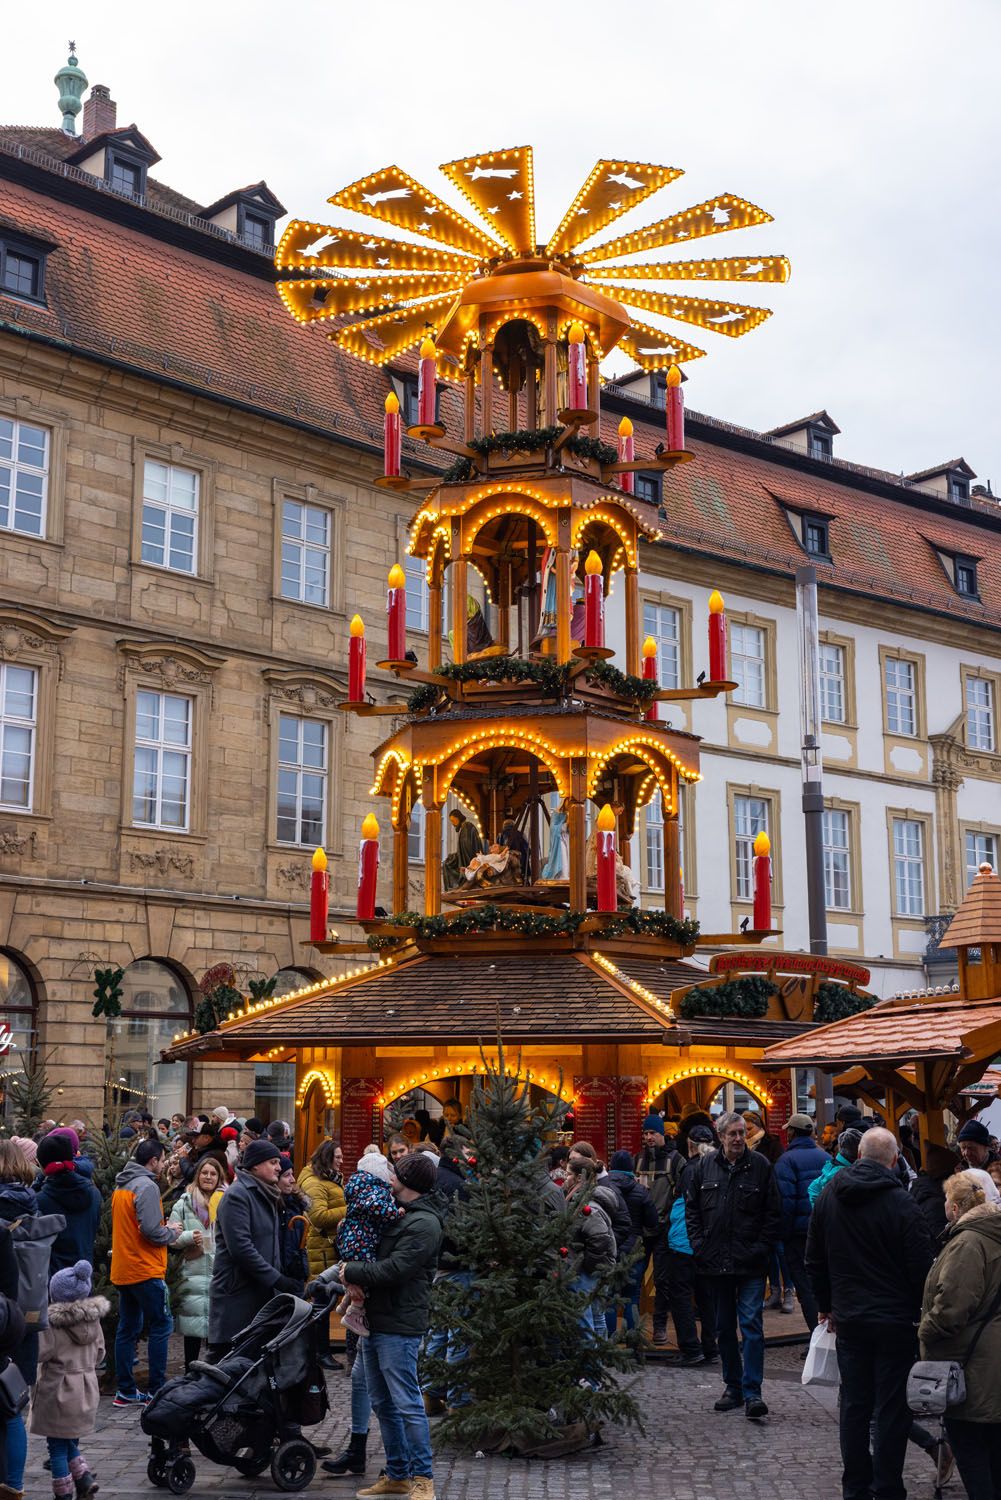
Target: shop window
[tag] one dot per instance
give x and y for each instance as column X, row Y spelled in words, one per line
column 18, row 1009
column 156, row 1003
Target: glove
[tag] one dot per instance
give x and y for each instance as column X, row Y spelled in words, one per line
column 287, row 1284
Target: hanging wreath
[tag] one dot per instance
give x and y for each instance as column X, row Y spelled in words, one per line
column 834, row 1002
column 108, row 993
column 747, row 997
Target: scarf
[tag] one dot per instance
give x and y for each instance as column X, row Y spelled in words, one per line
column 199, row 1204
column 58, row 1166
column 272, row 1189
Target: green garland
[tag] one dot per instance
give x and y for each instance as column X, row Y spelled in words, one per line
column 834, row 1002
column 547, row 674
column 747, row 997
column 108, row 993
column 490, row 918
column 215, row 1006
column 527, row 440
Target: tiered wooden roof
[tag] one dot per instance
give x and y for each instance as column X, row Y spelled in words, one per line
column 978, row 920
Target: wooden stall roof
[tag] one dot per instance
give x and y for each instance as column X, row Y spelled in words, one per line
column 978, row 919
column 897, row 1034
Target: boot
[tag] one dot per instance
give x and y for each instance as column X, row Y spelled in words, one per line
column 660, row 1333
column 788, row 1301
column 85, row 1484
column 774, row 1302
column 352, row 1460
column 386, row 1486
column 422, row 1487
column 7, row 1492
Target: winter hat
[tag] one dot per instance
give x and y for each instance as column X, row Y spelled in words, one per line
column 73, row 1284
column 417, row 1171
column 849, row 1115
column 974, row 1131
column 621, row 1161
column 258, row 1152
column 254, row 1126
column 229, row 1133
column 701, row 1135
column 800, row 1122
column 655, row 1123
column 28, row 1146
column 848, row 1143
column 286, row 1162
column 376, row 1165
column 55, row 1154
column 986, row 1181
column 71, row 1136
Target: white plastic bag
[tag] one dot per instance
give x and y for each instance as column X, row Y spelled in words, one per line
column 821, row 1365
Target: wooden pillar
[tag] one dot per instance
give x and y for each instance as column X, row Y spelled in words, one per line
column 434, row 618
column 672, row 866
column 401, row 872
column 931, row 1122
column 549, row 376
column 459, row 568
column 469, row 414
column 486, row 390
column 632, row 622
column 513, row 387
column 504, row 607
column 578, row 835
column 594, row 392
column 531, row 397
column 432, row 848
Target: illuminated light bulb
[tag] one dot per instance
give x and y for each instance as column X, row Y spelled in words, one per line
column 319, row 860
column 575, row 333
column 369, row 827
column 357, row 626
column 606, row 819
column 762, row 844
column 397, row 577
column 392, row 404
column 592, row 563
column 649, row 646
column 429, row 349
column 716, row 605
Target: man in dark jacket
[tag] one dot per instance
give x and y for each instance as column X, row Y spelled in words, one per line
column 658, row 1167
column 247, row 1269
column 398, row 1293
column 868, row 1252
column 797, row 1167
column 732, row 1218
column 928, row 1187
column 974, row 1141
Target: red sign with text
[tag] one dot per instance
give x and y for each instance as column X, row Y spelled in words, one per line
column 781, row 1107
column 632, row 1109
column 596, row 1103
column 361, row 1118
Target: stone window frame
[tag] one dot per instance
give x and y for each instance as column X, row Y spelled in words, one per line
column 966, row 671
column 188, row 671
column 847, row 646
column 917, row 660
column 993, row 830
column 336, row 505
column 29, row 640
column 927, row 819
column 854, row 812
column 178, row 456
column 306, row 693
column 773, row 797
column 56, row 423
column 771, row 678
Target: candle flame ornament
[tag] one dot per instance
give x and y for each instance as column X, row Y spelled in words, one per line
column 651, row 674
column 717, row 637
column 396, row 612
column 319, row 898
column 594, row 601
column 608, row 899
column 368, row 867
column 627, row 455
column 356, row 660
column 761, row 920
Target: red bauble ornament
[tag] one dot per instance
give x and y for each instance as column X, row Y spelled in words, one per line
column 564, row 1250
column 586, row 1209
column 471, row 1160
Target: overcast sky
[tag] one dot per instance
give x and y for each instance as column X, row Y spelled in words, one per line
column 868, row 128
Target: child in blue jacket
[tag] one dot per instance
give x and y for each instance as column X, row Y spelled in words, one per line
column 371, row 1210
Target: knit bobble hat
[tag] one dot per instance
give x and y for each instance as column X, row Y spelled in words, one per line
column 53, row 1148
column 73, row 1284
column 375, row 1165
column 258, row 1152
column 974, row 1131
column 654, row 1122
column 416, row 1171
column 621, row 1161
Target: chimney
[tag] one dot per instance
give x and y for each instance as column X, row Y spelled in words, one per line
column 99, row 113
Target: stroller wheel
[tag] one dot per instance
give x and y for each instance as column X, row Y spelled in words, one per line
column 156, row 1472
column 180, row 1476
column 252, row 1466
column 293, row 1465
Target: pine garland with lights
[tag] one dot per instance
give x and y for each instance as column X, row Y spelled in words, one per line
column 527, row 440
column 552, row 677
column 491, row 918
column 747, row 997
column 834, row 1002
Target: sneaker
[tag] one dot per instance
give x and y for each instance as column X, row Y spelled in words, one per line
column 756, row 1409
column 355, row 1319
column 729, row 1401
column 422, row 1487
column 945, row 1462
column 774, row 1302
column 788, row 1302
column 384, row 1486
column 660, row 1333
column 130, row 1398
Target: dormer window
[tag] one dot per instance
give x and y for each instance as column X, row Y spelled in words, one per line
column 22, row 268
column 817, row 537
column 257, row 230
column 250, row 213
column 966, row 577
column 821, row 443
column 408, row 399
column 125, row 174
column 959, row 489
column 647, row 487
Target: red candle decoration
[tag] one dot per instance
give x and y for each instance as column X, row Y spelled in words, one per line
column 396, row 611
column 368, row 868
column 762, row 918
column 650, row 674
column 675, row 405
column 391, row 437
column 319, row 898
column 594, row 601
column 426, row 384
column 627, row 453
column 717, row 637
column 607, row 895
column 576, row 368
column 356, row 661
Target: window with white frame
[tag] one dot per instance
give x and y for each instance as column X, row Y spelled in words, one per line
column 418, row 593
column 832, row 683
column 981, row 849
column 750, row 817
column 901, row 697
column 979, row 713
column 305, row 552
column 24, row 476
column 161, row 779
column 664, row 624
column 170, row 517
column 302, row 780
column 747, row 663
column 415, row 833
column 654, row 829
column 909, row 866
column 18, row 708
column 837, row 860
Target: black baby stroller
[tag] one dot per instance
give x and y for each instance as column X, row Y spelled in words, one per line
column 246, row 1411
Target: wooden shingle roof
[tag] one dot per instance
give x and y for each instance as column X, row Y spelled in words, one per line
column 978, row 920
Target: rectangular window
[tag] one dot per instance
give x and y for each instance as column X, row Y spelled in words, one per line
column 257, row 231
column 959, row 491
column 302, row 780
column 21, row 274
column 750, row 817
column 832, row 683
column 821, row 444
column 417, row 593
column 125, row 176
column 837, row 861
column 664, row 624
column 654, row 819
column 647, row 487
column 415, row 833
column 747, row 664
column 24, row 477
column 18, row 700
column 981, row 849
column 170, row 517
column 408, row 400
column 305, row 552
column 161, row 780
column 979, row 713
column 966, row 577
column 901, row 698
column 909, row 867
column 816, row 538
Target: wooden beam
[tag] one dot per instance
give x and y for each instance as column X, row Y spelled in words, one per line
column 632, row 622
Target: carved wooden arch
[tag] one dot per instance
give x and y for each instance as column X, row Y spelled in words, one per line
column 652, row 757
column 556, row 764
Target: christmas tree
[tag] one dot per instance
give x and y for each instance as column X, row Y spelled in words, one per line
column 533, row 1378
column 31, row 1092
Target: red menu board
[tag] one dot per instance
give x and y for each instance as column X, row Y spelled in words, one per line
column 595, row 1109
column 632, row 1108
column 780, row 1109
column 361, row 1118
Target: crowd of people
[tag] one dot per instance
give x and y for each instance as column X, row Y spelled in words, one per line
column 893, row 1243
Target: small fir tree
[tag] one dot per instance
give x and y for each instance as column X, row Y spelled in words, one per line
column 533, row 1378
column 31, row 1092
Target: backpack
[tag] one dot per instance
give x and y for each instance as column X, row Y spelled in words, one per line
column 33, row 1238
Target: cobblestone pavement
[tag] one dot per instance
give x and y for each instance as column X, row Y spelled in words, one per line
column 688, row 1452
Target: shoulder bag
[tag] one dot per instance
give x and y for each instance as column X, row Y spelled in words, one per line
column 934, row 1385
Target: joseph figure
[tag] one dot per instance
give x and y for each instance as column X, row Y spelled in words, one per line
column 470, row 845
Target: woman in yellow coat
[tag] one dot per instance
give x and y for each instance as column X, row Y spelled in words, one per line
column 321, row 1182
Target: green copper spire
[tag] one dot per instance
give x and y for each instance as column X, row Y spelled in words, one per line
column 71, row 82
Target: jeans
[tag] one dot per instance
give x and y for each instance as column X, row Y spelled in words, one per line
column 795, row 1249
column 16, row 1452
column 874, row 1361
column 778, row 1272
column 444, row 1342
column 630, row 1305
column 687, row 1290
column 143, row 1301
column 62, row 1452
column 361, row 1406
column 977, row 1446
column 740, row 1299
column 589, row 1321
column 391, row 1377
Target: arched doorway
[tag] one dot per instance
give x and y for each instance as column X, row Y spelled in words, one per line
column 156, row 1002
column 314, row 1111
column 19, row 1013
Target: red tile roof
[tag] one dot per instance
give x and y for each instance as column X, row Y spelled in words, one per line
column 895, row 1033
